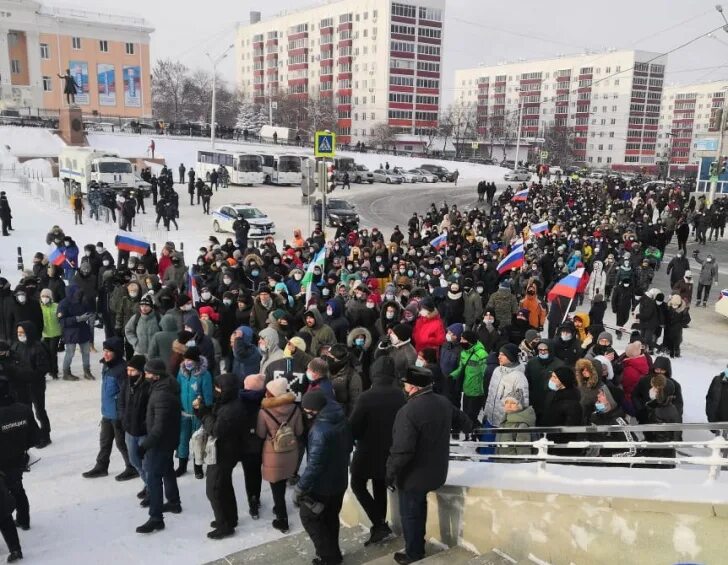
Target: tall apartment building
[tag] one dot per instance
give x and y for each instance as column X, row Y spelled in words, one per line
column 688, row 111
column 378, row 61
column 610, row 100
column 107, row 55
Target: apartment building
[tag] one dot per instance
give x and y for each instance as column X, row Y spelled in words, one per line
column 611, row 101
column 378, row 61
column 107, row 55
column 689, row 112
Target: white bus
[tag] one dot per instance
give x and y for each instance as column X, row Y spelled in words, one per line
column 242, row 168
column 282, row 169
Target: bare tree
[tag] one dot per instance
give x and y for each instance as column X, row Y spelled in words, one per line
column 559, row 142
column 383, row 135
column 503, row 131
column 427, row 138
column 462, row 119
column 168, row 89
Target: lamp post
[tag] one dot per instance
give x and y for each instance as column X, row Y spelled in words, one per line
column 520, row 122
column 215, row 63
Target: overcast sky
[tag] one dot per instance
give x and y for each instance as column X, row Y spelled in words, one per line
column 477, row 31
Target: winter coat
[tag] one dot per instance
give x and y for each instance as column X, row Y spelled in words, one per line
column 403, row 355
column 329, row 445
column 320, row 333
column 361, row 357
column 567, row 351
column 525, row 418
column 684, row 289
column 663, row 412
column 259, row 314
column 174, row 276
column 133, row 400
column 634, row 369
column 648, row 313
column 16, row 313
column 251, row 400
column 337, row 322
column 597, row 281
column 504, row 381
column 562, row 408
column 614, row 417
column 452, row 309
column 192, row 384
column 70, row 307
column 716, row 400
column 29, row 360
column 371, row 424
column 88, row 285
column 246, row 355
column 471, row 370
column 505, row 305
column 163, row 415
column 676, row 268
column 536, row 312
column 538, row 373
column 491, row 338
column 347, row 386
column 428, row 332
column 279, row 466
column 473, row 308
column 588, row 387
column 113, row 375
column 161, row 344
column 420, row 452
column 51, row 324
column 274, row 352
column 127, row 307
column 290, row 368
column 225, row 421
column 450, row 356
column 141, row 329
column 203, row 342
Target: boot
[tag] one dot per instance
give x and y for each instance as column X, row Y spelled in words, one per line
column 281, row 524
column 97, row 471
column 182, row 467
column 705, row 304
column 199, row 474
column 220, row 533
column 378, row 533
column 68, row 376
column 43, row 442
column 254, row 507
column 213, row 524
column 144, row 502
column 54, row 376
column 87, row 375
column 127, row 474
column 172, row 507
column 25, row 526
column 150, row 526
column 142, row 494
column 14, row 556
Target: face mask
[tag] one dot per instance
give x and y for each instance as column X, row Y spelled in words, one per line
column 227, row 280
column 297, row 277
column 45, row 300
column 544, row 356
column 276, row 261
column 420, row 362
column 653, row 394
column 263, row 347
column 88, row 254
column 255, row 272
column 359, row 342
column 309, row 376
column 21, row 298
column 389, row 296
column 600, row 407
column 22, row 338
column 329, row 311
column 206, row 296
column 488, row 321
column 191, row 343
column 133, row 294
column 566, row 337
column 200, row 263
column 227, row 302
column 325, row 291
column 189, row 365
column 479, row 289
column 370, row 305
column 553, row 386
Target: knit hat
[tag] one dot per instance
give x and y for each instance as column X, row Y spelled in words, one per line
column 382, row 370
column 182, row 299
column 314, row 400
column 456, row 329
column 566, row 376
column 505, row 284
column 469, row 336
column 515, row 395
column 428, row 304
column 607, row 336
column 523, row 312
column 278, row 314
column 146, row 301
column 510, row 351
column 298, row 343
column 339, row 351
column 531, row 335
column 277, row 387
column 46, row 293
column 137, row 362
column 418, row 376
column 254, row 382
column 192, row 353
column 598, row 298
column 156, row 367
column 402, row 331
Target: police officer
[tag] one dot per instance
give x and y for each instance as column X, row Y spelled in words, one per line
column 241, row 227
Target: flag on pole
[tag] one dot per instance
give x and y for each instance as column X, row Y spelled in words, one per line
column 317, row 261
column 568, row 286
column 192, row 287
column 543, row 227
column 440, row 241
column 512, row 261
column 56, row 257
column 521, row 195
column 132, row 243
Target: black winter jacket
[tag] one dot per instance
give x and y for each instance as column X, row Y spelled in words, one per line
column 226, row 421
column 163, row 415
column 133, row 401
column 18, row 433
column 563, row 408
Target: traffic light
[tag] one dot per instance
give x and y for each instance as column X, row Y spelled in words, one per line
column 723, row 163
column 714, row 169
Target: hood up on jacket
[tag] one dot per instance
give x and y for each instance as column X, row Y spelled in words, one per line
column 193, row 322
column 30, row 330
column 359, row 331
column 229, row 387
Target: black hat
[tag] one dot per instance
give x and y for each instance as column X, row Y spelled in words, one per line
column 566, row 376
column 383, row 370
column 314, row 400
column 183, row 336
column 339, row 351
column 182, row 299
column 137, row 362
column 192, row 353
column 469, row 336
column 418, row 376
column 146, row 301
column 428, row 304
column 156, row 366
column 511, row 351
column 402, row 331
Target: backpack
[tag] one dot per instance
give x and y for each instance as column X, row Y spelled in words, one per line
column 284, row 441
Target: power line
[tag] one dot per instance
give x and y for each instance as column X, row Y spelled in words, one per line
column 515, row 33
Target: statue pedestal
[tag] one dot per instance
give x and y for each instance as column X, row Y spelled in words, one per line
column 70, row 125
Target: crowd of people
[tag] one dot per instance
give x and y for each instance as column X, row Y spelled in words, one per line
column 387, row 347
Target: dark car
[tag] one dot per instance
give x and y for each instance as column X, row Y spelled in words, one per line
column 441, row 172
column 338, row 212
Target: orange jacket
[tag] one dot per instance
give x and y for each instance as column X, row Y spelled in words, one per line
column 536, row 312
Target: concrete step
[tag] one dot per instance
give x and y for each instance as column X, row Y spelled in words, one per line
column 491, row 558
column 452, row 556
column 432, row 551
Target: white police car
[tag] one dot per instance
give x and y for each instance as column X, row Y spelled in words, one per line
column 260, row 224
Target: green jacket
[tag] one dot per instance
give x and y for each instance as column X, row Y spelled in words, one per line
column 471, row 370
column 51, row 325
column 526, row 418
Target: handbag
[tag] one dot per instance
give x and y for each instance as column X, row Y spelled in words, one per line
column 203, row 447
column 211, row 451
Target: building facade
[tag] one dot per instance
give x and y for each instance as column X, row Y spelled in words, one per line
column 377, row 61
column 107, row 55
column 689, row 112
column 608, row 102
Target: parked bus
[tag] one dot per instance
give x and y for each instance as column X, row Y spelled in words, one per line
column 342, row 165
column 242, row 168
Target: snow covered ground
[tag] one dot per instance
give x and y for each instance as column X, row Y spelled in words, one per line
column 76, row 520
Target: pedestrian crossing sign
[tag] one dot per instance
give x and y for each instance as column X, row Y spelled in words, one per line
column 325, row 144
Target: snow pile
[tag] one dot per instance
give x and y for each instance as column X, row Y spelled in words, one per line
column 30, row 141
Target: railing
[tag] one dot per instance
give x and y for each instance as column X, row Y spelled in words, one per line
column 715, row 459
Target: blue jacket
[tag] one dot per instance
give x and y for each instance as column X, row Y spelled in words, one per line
column 194, row 384
column 112, row 378
column 71, row 263
column 246, row 356
column 74, row 305
column 329, row 445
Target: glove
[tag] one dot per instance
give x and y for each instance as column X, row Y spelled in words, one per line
column 297, row 495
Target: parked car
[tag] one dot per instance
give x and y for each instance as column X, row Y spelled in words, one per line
column 406, row 175
column 338, row 212
column 389, row 177
column 442, row 173
column 598, row 174
column 361, row 174
column 519, row 175
column 260, row 224
column 424, row 176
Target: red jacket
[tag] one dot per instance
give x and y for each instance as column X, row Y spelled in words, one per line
column 428, row 332
column 165, row 262
column 634, row 369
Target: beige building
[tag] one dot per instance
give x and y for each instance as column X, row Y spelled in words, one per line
column 107, row 55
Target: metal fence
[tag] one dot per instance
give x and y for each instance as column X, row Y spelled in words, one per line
column 634, row 451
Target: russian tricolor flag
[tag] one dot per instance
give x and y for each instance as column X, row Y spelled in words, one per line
column 440, row 241
column 56, row 257
column 567, row 287
column 512, row 261
column 543, row 227
column 131, row 243
column 521, row 195
column 192, row 290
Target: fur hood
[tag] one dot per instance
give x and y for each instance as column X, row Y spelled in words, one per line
column 592, row 380
column 355, row 332
column 275, row 401
column 254, row 258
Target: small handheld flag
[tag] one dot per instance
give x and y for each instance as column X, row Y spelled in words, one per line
column 131, row 243
column 521, row 195
column 543, row 227
column 56, row 257
column 440, row 241
column 568, row 286
column 511, row 261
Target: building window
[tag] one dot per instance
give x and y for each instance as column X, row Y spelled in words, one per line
column 44, row 51
column 15, row 66
column 76, row 42
column 129, row 48
column 103, row 46
column 47, row 84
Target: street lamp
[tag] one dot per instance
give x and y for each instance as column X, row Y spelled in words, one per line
column 215, row 63
column 520, row 121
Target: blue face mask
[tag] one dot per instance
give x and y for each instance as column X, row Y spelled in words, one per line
column 600, row 407
column 309, row 376
column 725, row 373
column 544, row 356
column 553, row 386
column 255, row 272
column 359, row 342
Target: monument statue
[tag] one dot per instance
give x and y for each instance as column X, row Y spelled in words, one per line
column 70, row 87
